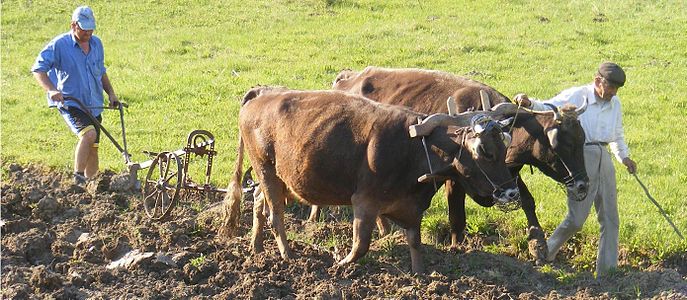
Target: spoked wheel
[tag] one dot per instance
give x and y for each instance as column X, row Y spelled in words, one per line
column 162, row 185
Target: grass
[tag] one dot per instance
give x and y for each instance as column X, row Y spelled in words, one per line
column 198, row 261
column 183, row 65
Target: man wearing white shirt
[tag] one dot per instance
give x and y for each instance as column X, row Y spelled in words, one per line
column 603, row 125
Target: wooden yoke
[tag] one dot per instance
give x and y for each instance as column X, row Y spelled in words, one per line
column 425, row 127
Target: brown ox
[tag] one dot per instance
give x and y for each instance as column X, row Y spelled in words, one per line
column 553, row 142
column 336, row 148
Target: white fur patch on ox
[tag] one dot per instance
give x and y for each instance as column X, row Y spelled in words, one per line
column 552, row 134
column 476, row 143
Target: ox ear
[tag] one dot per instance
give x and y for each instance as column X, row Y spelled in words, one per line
column 507, row 139
column 552, row 134
column 506, row 122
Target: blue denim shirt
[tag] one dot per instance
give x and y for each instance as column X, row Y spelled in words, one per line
column 73, row 72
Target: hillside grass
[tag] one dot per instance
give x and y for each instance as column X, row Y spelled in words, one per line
column 184, row 65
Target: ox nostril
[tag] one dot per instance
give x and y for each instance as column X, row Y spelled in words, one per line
column 510, row 200
column 510, row 195
column 582, row 186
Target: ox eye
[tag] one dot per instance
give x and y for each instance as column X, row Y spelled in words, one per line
column 482, row 152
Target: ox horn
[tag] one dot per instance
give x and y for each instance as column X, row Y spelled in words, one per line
column 582, row 108
column 510, row 109
column 505, row 108
column 484, row 97
column 554, row 109
column 462, row 120
column 451, row 103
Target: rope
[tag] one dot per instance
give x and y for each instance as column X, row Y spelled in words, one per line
column 424, row 145
column 515, row 118
column 660, row 209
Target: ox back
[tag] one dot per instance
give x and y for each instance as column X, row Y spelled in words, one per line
column 423, row 91
column 333, row 142
column 426, row 91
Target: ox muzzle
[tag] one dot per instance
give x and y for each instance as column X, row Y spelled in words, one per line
column 577, row 188
column 507, row 199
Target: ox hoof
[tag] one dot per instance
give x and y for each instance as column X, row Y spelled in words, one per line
column 456, row 248
column 257, row 249
column 287, row 256
column 457, row 242
column 453, row 248
column 538, row 250
column 536, row 245
column 347, row 260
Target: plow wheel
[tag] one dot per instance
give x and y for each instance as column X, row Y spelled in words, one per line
column 162, row 185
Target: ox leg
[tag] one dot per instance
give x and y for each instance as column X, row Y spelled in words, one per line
column 383, row 226
column 414, row 241
column 456, row 212
column 363, row 224
column 274, row 190
column 536, row 242
column 278, row 229
column 258, row 221
column 314, row 213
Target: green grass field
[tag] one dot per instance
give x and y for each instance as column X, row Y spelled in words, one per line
column 184, row 65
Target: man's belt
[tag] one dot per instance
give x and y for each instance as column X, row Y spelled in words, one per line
column 602, row 144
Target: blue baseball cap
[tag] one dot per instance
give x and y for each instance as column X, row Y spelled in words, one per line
column 83, row 15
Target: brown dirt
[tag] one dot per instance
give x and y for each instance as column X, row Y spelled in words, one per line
column 58, row 241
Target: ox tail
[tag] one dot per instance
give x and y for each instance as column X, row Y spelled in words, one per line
column 231, row 211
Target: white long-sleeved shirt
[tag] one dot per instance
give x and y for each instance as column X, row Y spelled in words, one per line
column 602, row 121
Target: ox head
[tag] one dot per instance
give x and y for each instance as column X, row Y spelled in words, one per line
column 343, row 80
column 357, row 82
column 560, row 146
column 566, row 141
column 478, row 159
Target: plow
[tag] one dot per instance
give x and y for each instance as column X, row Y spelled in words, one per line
column 167, row 179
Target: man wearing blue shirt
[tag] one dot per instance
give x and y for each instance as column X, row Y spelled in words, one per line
column 72, row 65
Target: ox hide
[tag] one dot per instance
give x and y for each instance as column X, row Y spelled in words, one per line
column 426, row 91
column 354, row 151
